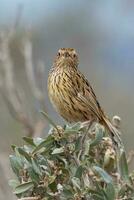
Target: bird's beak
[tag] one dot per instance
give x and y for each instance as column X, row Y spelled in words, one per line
column 66, row 54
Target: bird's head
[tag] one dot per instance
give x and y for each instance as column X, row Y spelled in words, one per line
column 66, row 57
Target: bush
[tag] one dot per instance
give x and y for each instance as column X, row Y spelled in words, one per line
column 74, row 162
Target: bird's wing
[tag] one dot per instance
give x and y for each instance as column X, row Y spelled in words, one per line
column 88, row 97
column 90, row 104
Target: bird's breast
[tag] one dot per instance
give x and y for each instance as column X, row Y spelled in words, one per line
column 62, row 93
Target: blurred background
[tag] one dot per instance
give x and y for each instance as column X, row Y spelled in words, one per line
column 31, row 32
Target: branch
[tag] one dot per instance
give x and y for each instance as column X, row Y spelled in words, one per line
column 130, row 156
column 30, row 198
column 9, row 89
column 10, row 93
column 27, row 52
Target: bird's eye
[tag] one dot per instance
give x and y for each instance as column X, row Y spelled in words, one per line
column 74, row 55
column 59, row 54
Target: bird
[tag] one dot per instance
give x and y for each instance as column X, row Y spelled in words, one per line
column 72, row 95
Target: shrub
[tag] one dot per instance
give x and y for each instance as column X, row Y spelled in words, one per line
column 74, row 162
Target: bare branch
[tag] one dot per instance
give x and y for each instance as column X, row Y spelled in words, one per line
column 27, row 53
column 10, row 93
column 30, row 198
column 40, row 72
column 8, row 71
column 9, row 89
column 130, row 156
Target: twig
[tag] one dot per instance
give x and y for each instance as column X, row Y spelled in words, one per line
column 130, row 156
column 29, row 198
column 40, row 73
column 27, row 51
column 83, row 138
column 9, row 89
column 11, row 98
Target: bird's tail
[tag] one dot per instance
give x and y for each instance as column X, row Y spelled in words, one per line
column 114, row 133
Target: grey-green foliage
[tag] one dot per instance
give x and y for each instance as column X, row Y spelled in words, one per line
column 74, row 162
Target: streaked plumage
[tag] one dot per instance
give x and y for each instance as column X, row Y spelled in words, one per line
column 71, row 94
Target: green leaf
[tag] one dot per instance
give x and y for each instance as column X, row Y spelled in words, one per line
column 37, row 141
column 100, row 190
column 73, row 129
column 70, row 131
column 24, row 153
column 13, row 146
column 36, row 166
column 110, row 191
column 53, row 186
column 78, row 144
column 79, row 171
column 123, row 166
column 29, row 140
column 98, row 193
column 24, row 187
column 58, row 150
column 45, row 143
column 98, row 136
column 16, row 164
column 97, row 196
column 76, row 183
column 104, row 175
column 68, row 193
column 33, row 175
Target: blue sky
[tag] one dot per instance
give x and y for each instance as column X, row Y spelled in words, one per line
column 115, row 15
column 113, row 18
column 33, row 9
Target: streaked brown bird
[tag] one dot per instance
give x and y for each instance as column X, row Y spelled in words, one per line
column 72, row 95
